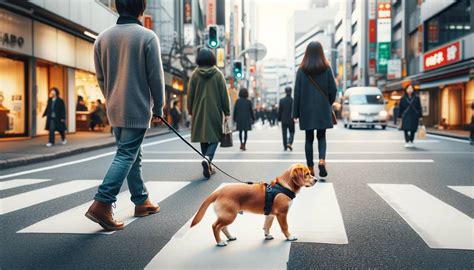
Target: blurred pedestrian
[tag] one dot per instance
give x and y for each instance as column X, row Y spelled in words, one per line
column 243, row 116
column 410, row 114
column 97, row 115
column 81, row 105
column 130, row 74
column 274, row 115
column 284, row 116
column 55, row 114
column 209, row 105
column 175, row 115
column 396, row 112
column 315, row 92
column 268, row 115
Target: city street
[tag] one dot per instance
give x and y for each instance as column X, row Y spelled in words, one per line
column 382, row 206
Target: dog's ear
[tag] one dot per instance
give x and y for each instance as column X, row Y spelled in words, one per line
column 297, row 174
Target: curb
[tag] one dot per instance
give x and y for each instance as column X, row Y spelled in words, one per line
column 439, row 134
column 22, row 161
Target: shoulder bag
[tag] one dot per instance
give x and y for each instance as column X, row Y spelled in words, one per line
column 319, row 88
column 227, row 136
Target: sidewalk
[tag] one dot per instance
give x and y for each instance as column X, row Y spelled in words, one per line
column 452, row 133
column 32, row 150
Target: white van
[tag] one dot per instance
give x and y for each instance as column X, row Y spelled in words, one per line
column 364, row 106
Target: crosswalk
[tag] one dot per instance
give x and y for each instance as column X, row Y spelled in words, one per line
column 315, row 217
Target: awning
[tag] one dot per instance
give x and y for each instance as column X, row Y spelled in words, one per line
column 438, row 83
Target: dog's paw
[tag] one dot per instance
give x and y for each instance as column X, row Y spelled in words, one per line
column 268, row 237
column 222, row 244
column 232, row 238
column 291, row 238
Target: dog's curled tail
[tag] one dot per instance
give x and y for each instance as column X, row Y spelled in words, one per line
column 202, row 210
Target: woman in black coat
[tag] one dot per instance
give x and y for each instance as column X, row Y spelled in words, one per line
column 243, row 116
column 55, row 114
column 312, row 106
column 410, row 113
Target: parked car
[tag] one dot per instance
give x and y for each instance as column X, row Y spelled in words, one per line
column 364, row 106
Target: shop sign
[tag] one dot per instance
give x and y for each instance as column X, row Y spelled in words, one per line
column 148, row 22
column 15, row 32
column 383, row 55
column 11, row 40
column 425, row 102
column 443, row 56
column 189, row 35
column 220, row 57
column 384, row 35
column 394, row 69
column 188, row 12
column 211, row 12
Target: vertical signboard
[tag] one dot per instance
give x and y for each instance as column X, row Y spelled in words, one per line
column 372, row 36
column 211, row 12
column 188, row 27
column 384, row 35
column 147, row 22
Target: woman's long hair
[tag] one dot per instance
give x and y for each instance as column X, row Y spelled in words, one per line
column 314, row 61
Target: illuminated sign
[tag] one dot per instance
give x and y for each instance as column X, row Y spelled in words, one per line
column 443, row 56
column 147, row 22
column 384, row 35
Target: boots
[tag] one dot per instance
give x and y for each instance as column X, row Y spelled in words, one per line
column 322, row 168
column 242, row 146
column 147, row 208
column 311, row 170
column 101, row 213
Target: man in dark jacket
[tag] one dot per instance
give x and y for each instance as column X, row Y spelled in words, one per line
column 55, row 114
column 287, row 123
column 410, row 113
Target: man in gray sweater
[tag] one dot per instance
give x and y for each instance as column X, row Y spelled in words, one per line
column 130, row 75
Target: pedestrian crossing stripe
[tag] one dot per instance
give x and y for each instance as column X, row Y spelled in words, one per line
column 465, row 190
column 196, row 249
column 439, row 224
column 73, row 221
column 14, row 183
column 27, row 199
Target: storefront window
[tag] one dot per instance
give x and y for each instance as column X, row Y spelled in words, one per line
column 449, row 25
column 12, row 97
column 87, row 89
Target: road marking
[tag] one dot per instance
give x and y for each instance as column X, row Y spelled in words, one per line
column 290, row 160
column 348, row 141
column 436, row 222
column 465, row 190
column 20, row 182
column 73, row 221
column 446, row 138
column 196, row 249
column 27, row 199
column 329, row 153
column 81, row 160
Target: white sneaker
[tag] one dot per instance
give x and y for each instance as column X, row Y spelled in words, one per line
column 64, row 142
column 407, row 145
column 49, row 144
column 412, row 145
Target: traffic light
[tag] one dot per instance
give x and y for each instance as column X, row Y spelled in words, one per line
column 238, row 70
column 213, row 40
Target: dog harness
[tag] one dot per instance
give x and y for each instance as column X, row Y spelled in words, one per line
column 270, row 194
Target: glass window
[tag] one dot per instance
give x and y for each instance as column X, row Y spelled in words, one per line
column 12, row 97
column 87, row 89
column 366, row 99
column 449, row 25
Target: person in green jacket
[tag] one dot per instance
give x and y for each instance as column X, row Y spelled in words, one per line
column 208, row 104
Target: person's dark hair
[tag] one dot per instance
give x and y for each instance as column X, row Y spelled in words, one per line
column 243, row 93
column 80, row 98
column 99, row 101
column 314, row 60
column 406, row 88
column 134, row 8
column 288, row 90
column 206, row 58
column 175, row 103
column 56, row 90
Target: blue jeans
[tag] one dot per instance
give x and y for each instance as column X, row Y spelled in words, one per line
column 127, row 163
column 209, row 149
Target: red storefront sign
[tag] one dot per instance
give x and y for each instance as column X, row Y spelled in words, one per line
column 442, row 56
column 147, row 22
column 211, row 12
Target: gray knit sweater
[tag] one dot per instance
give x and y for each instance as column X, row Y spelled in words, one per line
column 130, row 74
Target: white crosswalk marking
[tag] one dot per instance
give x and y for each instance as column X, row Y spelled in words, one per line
column 438, row 224
column 73, row 221
column 465, row 190
column 23, row 200
column 195, row 248
column 290, row 161
column 20, row 182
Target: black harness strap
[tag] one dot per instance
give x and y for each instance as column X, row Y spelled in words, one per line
column 271, row 192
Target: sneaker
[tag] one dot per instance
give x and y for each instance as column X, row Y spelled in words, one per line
column 49, row 144
column 407, row 145
column 322, row 170
column 206, row 169
column 64, row 142
column 290, row 147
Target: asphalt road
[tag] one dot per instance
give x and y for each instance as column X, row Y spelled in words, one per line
column 389, row 225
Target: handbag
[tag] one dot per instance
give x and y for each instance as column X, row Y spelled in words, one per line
column 227, row 139
column 318, row 87
column 421, row 134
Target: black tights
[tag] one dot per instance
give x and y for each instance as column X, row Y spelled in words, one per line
column 244, row 141
column 308, row 147
column 409, row 136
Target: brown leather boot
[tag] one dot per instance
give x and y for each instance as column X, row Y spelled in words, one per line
column 147, row 208
column 242, row 146
column 311, row 170
column 101, row 213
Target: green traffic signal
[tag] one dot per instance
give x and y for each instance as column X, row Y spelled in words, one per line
column 213, row 41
